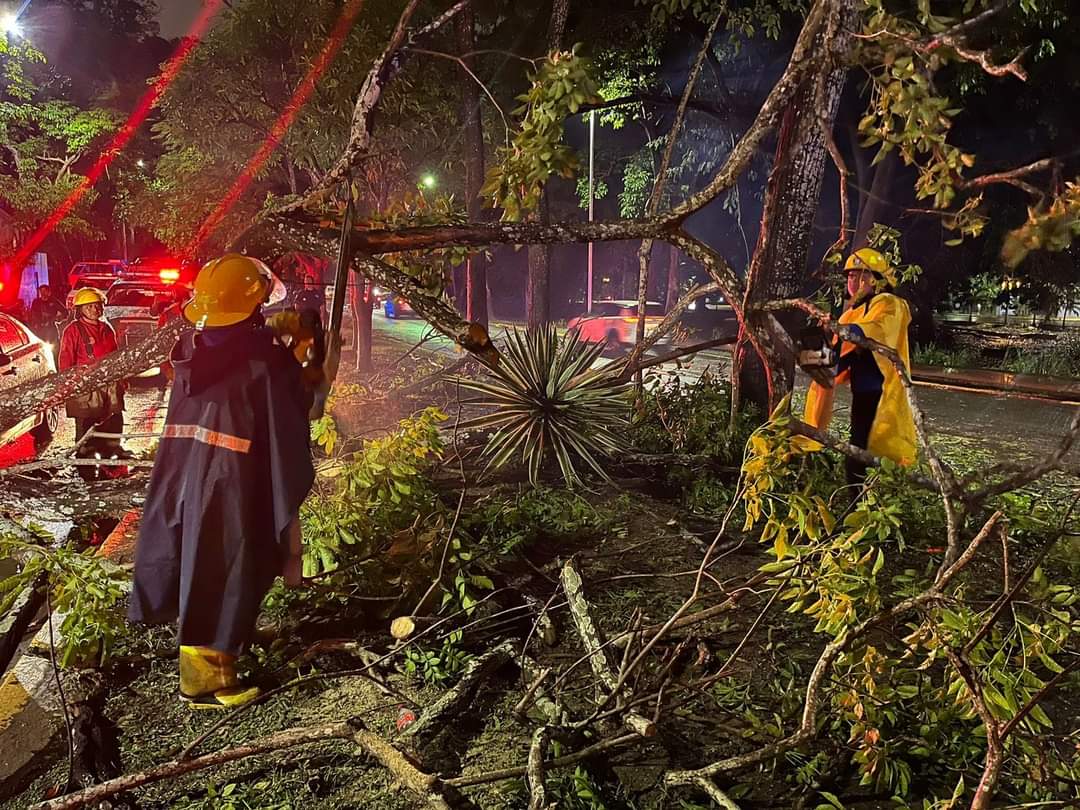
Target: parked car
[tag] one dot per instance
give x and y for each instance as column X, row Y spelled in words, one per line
column 709, row 318
column 102, row 273
column 614, row 323
column 24, row 357
column 132, row 309
column 394, row 306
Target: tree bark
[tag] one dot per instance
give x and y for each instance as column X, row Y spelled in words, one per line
column 672, row 278
column 476, row 267
column 362, row 309
column 779, row 265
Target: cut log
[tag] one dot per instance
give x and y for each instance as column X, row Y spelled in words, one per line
column 594, row 646
column 405, row 627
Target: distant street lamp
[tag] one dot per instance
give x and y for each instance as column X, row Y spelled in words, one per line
column 10, row 24
column 10, row 21
column 140, row 163
column 428, row 181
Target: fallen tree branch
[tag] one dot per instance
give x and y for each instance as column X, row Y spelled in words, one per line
column 535, row 768
column 52, row 463
column 422, row 784
column 594, row 646
column 559, row 762
column 54, row 390
column 832, row 651
column 454, row 699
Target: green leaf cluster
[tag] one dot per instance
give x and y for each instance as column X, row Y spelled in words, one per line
column 560, row 87
column 85, row 589
column 379, row 491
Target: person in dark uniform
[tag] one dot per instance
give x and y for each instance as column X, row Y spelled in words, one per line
column 46, row 315
column 221, row 520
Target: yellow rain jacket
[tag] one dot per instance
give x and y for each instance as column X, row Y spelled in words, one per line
column 884, row 318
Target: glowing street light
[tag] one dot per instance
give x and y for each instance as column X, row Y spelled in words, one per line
column 10, row 24
column 428, row 181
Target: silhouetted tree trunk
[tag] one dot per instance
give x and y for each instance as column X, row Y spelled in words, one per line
column 361, row 309
column 778, row 267
column 672, row 278
column 538, row 287
column 476, row 267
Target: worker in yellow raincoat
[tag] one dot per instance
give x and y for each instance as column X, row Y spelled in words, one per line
column 881, row 420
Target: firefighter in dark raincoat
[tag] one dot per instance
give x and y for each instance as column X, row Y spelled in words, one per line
column 234, row 464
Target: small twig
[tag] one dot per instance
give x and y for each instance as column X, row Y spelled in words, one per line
column 1037, row 698
column 716, row 794
column 464, row 66
column 526, row 700
column 60, row 688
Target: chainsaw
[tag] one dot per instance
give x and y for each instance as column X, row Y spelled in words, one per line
column 817, row 355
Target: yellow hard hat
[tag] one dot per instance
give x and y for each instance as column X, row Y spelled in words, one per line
column 229, row 289
column 873, row 261
column 88, row 295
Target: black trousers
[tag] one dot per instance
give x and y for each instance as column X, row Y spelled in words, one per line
column 864, row 405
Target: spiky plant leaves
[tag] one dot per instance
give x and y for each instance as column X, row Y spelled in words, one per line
column 546, row 399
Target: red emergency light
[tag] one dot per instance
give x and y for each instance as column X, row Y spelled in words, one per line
column 169, row 276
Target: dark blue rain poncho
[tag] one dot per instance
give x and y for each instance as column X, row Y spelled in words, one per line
column 232, row 469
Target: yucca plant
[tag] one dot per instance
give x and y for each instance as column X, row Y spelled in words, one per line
column 546, row 399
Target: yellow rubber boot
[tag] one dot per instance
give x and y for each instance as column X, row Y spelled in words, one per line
column 208, row 680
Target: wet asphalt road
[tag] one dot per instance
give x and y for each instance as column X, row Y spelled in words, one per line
column 1009, row 427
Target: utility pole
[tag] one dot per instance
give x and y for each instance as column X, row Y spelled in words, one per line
column 592, row 147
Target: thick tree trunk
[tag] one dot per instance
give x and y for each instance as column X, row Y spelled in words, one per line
column 672, row 278
column 778, row 268
column 362, row 308
column 476, row 267
column 538, row 286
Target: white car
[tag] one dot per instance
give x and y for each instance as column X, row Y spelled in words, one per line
column 24, row 357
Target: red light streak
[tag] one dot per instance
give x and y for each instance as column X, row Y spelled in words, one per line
column 281, row 125
column 125, row 133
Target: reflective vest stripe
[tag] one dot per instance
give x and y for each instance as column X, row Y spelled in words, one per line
column 206, row 436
